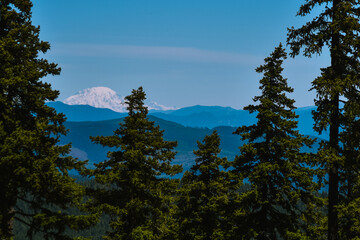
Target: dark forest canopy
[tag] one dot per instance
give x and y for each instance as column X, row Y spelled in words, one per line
column 34, row 170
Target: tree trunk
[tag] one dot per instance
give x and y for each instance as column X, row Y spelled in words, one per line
column 333, row 175
column 334, row 131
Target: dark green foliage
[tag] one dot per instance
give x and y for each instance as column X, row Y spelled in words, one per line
column 137, row 177
column 337, row 27
column 95, row 232
column 203, row 197
column 33, row 169
column 273, row 164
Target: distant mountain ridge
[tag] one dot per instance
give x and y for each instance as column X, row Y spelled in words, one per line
column 102, row 103
column 195, row 116
column 80, row 113
column 186, row 126
column 208, row 116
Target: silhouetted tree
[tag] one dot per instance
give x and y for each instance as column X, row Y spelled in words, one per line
column 337, row 27
column 34, row 170
column 203, row 198
column 272, row 162
column 138, row 188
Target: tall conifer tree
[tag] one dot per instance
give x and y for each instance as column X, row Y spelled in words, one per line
column 337, row 27
column 204, row 194
column 272, row 162
column 137, row 176
column 33, row 168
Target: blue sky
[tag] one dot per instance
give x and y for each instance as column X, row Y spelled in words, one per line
column 183, row 52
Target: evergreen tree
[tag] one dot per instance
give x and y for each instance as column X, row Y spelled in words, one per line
column 204, row 194
column 349, row 178
column 271, row 161
column 337, row 27
column 34, row 170
column 137, row 176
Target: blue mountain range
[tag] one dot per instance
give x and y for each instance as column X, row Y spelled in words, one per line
column 186, row 126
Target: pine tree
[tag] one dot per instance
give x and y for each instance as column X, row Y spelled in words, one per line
column 137, row 176
column 337, row 27
column 349, row 178
column 272, row 162
column 34, row 170
column 204, row 195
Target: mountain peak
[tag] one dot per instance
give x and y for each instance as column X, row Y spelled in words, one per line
column 104, row 97
column 99, row 97
column 101, row 90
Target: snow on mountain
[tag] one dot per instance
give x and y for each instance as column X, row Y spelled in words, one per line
column 103, row 97
column 99, row 97
column 156, row 106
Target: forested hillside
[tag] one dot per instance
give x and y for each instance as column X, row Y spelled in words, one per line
column 186, row 137
column 80, row 132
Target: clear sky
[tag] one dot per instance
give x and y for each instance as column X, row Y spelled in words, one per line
column 183, row 52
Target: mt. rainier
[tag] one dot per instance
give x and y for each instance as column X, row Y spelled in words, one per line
column 103, row 97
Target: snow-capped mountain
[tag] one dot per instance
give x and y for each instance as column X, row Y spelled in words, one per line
column 104, row 97
column 99, row 97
